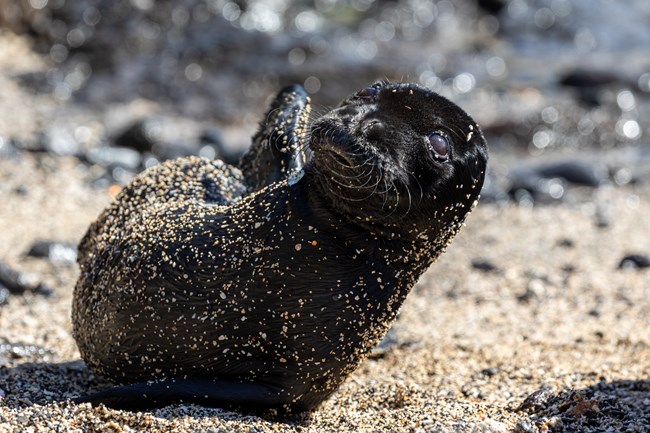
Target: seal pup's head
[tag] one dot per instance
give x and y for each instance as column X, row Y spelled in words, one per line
column 399, row 156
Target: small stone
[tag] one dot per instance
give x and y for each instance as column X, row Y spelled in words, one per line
column 18, row 283
column 575, row 172
column 55, row 252
column 490, row 371
column 484, row 265
column 141, row 135
column 534, row 401
column 634, row 261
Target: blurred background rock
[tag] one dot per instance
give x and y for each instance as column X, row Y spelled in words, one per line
column 138, row 81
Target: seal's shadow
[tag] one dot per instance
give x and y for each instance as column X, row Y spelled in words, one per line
column 621, row 405
column 41, row 383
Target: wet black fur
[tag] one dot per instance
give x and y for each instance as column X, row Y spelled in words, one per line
column 271, row 301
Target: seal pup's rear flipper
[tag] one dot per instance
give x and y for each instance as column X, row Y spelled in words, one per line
column 228, row 394
column 279, row 147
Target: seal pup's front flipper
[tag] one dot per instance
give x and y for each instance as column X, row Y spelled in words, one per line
column 279, row 148
column 227, row 394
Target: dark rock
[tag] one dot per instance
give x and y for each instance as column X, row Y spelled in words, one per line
column 575, row 172
column 228, row 154
column 141, row 135
column 566, row 243
column 21, row 190
column 548, row 183
column 484, row 265
column 525, row 427
column 491, row 371
column 588, row 78
column 535, row 290
column 491, row 6
column 18, row 283
column 528, row 186
column 56, row 252
column 634, row 261
column 534, row 401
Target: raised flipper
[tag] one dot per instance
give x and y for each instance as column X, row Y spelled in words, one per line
column 228, row 394
column 278, row 148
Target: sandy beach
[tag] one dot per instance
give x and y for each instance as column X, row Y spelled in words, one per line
column 556, row 314
column 527, row 324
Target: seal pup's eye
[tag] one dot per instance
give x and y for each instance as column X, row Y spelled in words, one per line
column 440, row 145
column 367, row 93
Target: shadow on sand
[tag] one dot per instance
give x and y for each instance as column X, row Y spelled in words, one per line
column 620, row 405
column 41, row 383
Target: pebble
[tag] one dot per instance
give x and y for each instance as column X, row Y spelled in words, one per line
column 574, row 172
column 534, row 401
column 55, row 252
column 228, row 154
column 485, row 266
column 142, row 135
column 634, row 261
column 18, row 283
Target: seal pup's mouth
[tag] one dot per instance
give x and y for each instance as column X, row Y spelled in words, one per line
column 334, row 142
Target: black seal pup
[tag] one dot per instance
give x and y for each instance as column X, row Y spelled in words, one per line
column 264, row 287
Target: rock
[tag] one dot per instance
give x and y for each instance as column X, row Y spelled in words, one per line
column 212, row 137
column 588, row 78
column 528, row 186
column 484, row 265
column 634, row 261
column 18, row 283
column 534, row 401
column 55, row 252
column 548, row 183
column 491, row 6
column 141, row 135
column 575, row 172
column 490, row 371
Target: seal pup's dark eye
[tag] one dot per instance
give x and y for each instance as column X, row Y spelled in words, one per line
column 367, row 93
column 440, row 146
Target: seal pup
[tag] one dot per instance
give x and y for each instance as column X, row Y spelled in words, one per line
column 263, row 287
